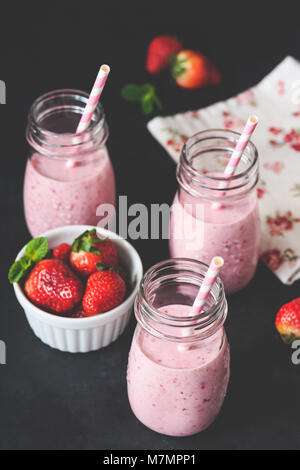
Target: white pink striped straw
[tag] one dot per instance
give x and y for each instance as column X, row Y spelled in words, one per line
column 210, row 278
column 211, row 275
column 93, row 98
column 238, row 153
column 240, row 147
column 90, row 107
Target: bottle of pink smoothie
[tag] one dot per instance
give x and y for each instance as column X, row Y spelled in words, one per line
column 178, row 368
column 207, row 219
column 67, row 176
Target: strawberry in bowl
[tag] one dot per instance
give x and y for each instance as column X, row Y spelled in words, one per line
column 51, row 291
column 62, row 252
column 52, row 285
column 105, row 290
column 88, row 250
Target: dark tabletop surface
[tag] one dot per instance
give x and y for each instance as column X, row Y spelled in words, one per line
column 55, row 400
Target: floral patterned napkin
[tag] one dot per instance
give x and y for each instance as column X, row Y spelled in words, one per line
column 276, row 101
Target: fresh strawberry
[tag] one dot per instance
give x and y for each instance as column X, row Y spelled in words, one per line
column 88, row 250
column 52, row 285
column 105, row 290
column 62, row 252
column 288, row 321
column 159, row 51
column 193, row 70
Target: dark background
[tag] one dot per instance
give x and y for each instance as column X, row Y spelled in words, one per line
column 54, row 400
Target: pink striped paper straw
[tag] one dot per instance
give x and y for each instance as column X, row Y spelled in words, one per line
column 206, row 286
column 237, row 154
column 211, row 275
column 240, row 146
column 93, row 98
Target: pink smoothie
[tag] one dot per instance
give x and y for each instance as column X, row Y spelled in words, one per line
column 174, row 392
column 232, row 231
column 56, row 194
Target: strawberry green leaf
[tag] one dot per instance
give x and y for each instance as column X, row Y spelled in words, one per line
column 85, row 242
column 16, row 272
column 85, row 245
column 178, row 66
column 102, row 267
column 117, row 269
column 75, row 245
column 288, row 338
column 37, row 249
column 94, row 250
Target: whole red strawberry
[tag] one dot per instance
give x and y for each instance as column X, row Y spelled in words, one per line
column 193, row 70
column 105, row 290
column 88, row 250
column 159, row 51
column 52, row 285
column 62, row 252
column 288, row 321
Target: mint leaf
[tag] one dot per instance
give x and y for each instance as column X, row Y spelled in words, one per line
column 147, row 104
column 37, row 249
column 146, row 94
column 16, row 272
column 157, row 102
column 147, row 88
column 132, row 92
column 25, row 262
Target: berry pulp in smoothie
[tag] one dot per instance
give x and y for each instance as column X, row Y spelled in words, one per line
column 177, row 392
column 59, row 190
column 231, row 231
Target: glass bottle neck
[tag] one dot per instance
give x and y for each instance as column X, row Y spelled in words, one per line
column 203, row 159
column 53, row 120
column 177, row 282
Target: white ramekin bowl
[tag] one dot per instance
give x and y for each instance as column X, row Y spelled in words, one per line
column 84, row 334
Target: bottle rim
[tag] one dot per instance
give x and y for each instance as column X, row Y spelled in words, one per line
column 204, row 324
column 191, row 178
column 58, row 101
